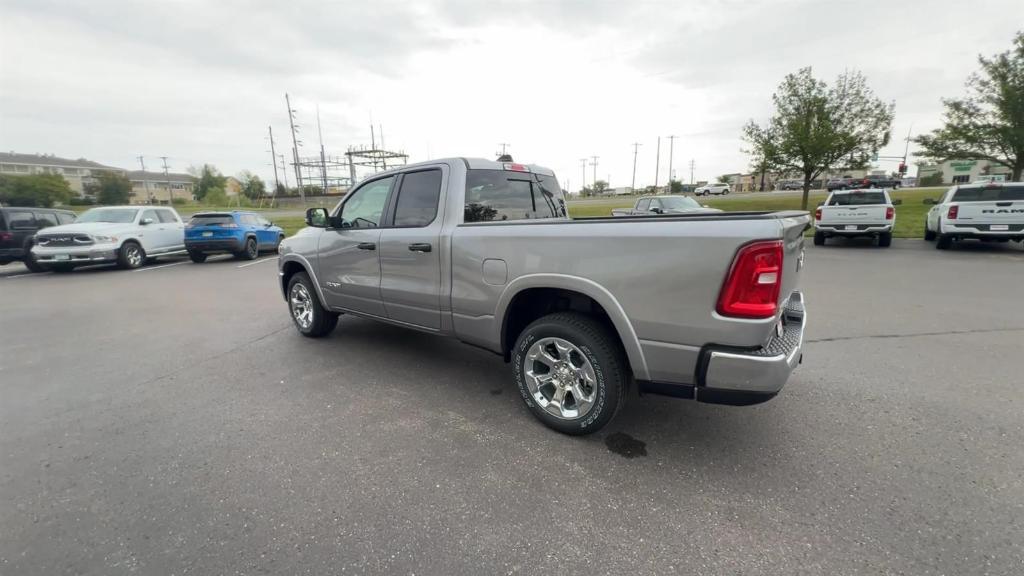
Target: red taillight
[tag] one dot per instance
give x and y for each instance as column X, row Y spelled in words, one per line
column 516, row 167
column 752, row 288
column 953, row 211
column 817, row 214
column 889, row 212
column 5, row 236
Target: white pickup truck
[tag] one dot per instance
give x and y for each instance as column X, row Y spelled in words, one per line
column 855, row 213
column 991, row 212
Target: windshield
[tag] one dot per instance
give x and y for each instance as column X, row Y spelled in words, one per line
column 115, row 215
column 989, row 194
column 857, row 199
column 679, row 203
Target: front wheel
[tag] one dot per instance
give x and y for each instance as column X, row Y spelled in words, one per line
column 32, row 264
column 131, row 256
column 571, row 372
column 309, row 315
column 250, row 251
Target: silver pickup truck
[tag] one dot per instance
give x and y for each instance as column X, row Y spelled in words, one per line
column 665, row 204
column 699, row 306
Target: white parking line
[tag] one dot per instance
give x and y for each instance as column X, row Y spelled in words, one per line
column 29, row 274
column 148, row 268
column 257, row 262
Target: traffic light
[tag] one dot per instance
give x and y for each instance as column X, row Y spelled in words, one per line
column 903, row 168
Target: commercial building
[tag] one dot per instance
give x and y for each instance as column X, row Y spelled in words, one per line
column 78, row 173
column 962, row 171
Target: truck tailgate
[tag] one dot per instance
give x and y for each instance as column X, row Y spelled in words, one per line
column 1007, row 212
column 839, row 215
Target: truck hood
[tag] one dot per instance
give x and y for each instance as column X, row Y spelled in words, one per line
column 104, row 228
column 692, row 211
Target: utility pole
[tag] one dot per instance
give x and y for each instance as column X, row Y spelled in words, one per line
column 693, row 163
column 295, row 148
column 583, row 166
column 284, row 171
column 594, row 164
column 273, row 159
column 504, row 146
column 907, row 150
column 323, row 158
column 145, row 180
column 671, row 176
column 170, row 194
column 657, row 165
column 632, row 187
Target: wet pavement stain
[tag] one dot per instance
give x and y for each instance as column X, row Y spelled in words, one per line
column 625, row 445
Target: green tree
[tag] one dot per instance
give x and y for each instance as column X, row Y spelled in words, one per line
column 933, row 179
column 725, row 178
column 208, row 179
column 817, row 128
column 675, row 186
column 987, row 124
column 34, row 190
column 252, row 185
column 215, row 197
column 110, row 188
column 600, row 186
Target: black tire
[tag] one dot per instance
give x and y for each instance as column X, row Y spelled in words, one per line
column 250, row 251
column 593, row 342
column 819, row 238
column 197, row 257
column 945, row 242
column 60, row 268
column 321, row 321
column 131, row 255
column 32, row 264
column 929, row 235
column 885, row 240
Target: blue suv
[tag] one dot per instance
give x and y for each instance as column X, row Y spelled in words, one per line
column 243, row 234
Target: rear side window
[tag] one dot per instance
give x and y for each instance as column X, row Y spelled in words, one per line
column 418, row 198
column 151, row 214
column 45, row 219
column 20, row 220
column 501, row 195
column 166, row 216
column 248, row 219
column 989, row 194
column 65, row 218
column 210, row 220
column 857, row 199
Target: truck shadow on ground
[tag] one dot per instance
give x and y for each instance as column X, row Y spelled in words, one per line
column 426, row 367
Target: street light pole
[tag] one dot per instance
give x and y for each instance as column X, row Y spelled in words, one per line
column 671, row 142
column 632, row 186
column 657, row 165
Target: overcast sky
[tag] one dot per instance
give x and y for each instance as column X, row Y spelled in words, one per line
column 557, row 80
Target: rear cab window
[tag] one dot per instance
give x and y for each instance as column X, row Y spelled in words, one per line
column 989, row 194
column 65, row 217
column 506, row 195
column 857, row 199
column 166, row 217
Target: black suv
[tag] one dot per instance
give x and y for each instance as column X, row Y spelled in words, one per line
column 18, row 227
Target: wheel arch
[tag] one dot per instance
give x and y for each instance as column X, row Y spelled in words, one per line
column 292, row 265
column 530, row 297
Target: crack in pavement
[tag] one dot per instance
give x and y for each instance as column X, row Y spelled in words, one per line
column 916, row 334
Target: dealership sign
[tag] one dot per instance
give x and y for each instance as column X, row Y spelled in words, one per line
column 963, row 165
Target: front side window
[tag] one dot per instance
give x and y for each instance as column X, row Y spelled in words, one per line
column 501, row 195
column 65, row 218
column 365, row 207
column 45, row 219
column 644, row 205
column 112, row 215
column 679, row 203
column 151, row 215
column 417, row 198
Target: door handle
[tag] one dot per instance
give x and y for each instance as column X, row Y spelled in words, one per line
column 419, row 247
column 366, row 246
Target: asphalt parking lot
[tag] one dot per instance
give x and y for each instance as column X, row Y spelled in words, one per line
column 171, row 421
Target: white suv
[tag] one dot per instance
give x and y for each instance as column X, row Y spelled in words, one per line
column 128, row 235
column 991, row 212
column 716, row 189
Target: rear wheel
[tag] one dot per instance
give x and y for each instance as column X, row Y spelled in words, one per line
column 885, row 240
column 819, row 238
column 309, row 315
column 929, row 235
column 131, row 255
column 945, row 242
column 197, row 257
column 571, row 372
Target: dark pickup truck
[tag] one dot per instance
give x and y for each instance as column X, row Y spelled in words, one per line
column 875, row 181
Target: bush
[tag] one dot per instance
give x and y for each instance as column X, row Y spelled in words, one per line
column 934, row 179
column 215, row 197
column 179, row 201
column 76, row 201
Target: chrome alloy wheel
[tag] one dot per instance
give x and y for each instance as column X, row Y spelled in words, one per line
column 133, row 254
column 302, row 306
column 560, row 378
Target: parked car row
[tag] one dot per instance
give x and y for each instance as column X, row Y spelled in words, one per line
column 989, row 211
column 130, row 236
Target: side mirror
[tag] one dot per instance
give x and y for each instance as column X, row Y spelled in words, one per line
column 268, row 224
column 146, row 221
column 897, row 202
column 657, row 210
column 317, row 217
